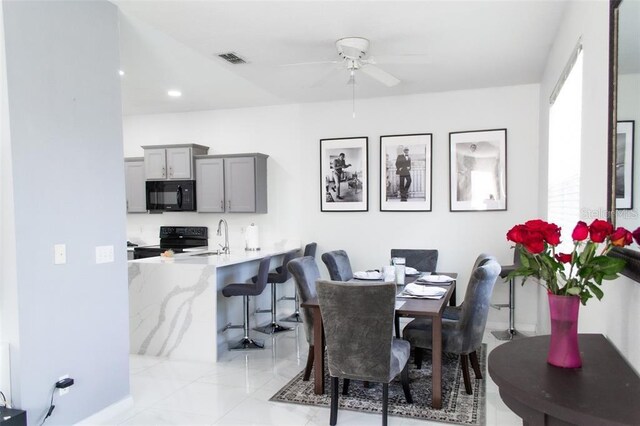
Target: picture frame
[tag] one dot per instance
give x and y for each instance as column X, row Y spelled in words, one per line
column 625, row 132
column 344, row 160
column 478, row 170
column 406, row 164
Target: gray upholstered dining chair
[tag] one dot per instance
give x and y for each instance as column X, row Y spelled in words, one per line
column 453, row 312
column 464, row 335
column 305, row 274
column 309, row 250
column 338, row 265
column 358, row 327
column 424, row 260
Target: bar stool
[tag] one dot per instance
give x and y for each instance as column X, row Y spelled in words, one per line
column 309, row 250
column 273, row 279
column 246, row 290
column 510, row 333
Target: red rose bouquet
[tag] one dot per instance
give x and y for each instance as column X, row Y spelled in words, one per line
column 579, row 273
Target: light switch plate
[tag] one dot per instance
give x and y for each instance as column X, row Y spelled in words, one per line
column 104, row 254
column 60, row 254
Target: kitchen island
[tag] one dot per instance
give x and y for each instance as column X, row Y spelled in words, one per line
column 176, row 308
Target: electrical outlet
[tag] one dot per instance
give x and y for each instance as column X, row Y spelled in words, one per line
column 65, row 390
column 59, row 254
column 104, row 254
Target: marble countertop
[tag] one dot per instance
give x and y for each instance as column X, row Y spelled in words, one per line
column 199, row 256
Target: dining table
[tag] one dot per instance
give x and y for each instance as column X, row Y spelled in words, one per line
column 405, row 307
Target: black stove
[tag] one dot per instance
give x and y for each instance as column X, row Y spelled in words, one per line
column 176, row 238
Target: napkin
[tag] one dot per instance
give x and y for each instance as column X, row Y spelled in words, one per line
column 367, row 275
column 435, row 279
column 414, row 290
column 408, row 270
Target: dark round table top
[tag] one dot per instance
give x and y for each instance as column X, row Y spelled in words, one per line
column 605, row 391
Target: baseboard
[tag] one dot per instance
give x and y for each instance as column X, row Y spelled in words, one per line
column 527, row 328
column 108, row 413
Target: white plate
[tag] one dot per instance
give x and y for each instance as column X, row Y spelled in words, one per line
column 435, row 279
column 422, row 291
column 369, row 276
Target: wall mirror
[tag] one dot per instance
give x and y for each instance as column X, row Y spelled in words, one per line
column 624, row 124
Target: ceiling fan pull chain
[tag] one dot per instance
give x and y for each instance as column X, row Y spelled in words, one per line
column 353, row 92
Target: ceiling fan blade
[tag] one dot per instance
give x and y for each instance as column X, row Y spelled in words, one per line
column 401, row 59
column 310, row 63
column 380, row 75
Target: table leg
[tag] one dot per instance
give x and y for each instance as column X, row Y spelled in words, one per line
column 436, row 362
column 318, row 355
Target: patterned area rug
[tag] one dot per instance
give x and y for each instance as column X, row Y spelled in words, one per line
column 457, row 407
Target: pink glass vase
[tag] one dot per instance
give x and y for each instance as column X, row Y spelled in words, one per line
column 563, row 348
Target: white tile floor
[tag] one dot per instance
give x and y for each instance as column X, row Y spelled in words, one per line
column 236, row 391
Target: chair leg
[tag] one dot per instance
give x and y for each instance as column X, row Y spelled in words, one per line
column 464, row 361
column 273, row 327
column 246, row 342
column 385, row 402
column 309, row 366
column 417, row 356
column 396, row 321
column 345, row 386
column 366, row 384
column 404, row 379
column 473, row 356
column 333, row 419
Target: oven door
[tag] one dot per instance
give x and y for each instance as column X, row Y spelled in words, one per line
column 177, row 195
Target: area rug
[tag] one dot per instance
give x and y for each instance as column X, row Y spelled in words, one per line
column 457, row 406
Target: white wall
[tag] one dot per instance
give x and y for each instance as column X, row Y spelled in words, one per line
column 290, row 136
column 63, row 182
column 618, row 314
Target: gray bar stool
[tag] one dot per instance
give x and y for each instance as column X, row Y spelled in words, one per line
column 274, row 279
column 309, row 250
column 246, row 290
column 510, row 333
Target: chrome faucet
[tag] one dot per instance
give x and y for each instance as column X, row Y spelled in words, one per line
column 225, row 248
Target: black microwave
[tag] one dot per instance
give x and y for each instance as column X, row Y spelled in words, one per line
column 171, row 195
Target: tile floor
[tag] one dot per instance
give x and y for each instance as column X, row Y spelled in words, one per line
column 236, row 391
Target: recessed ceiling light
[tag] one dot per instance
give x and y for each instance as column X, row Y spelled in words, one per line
column 121, row 72
column 174, row 93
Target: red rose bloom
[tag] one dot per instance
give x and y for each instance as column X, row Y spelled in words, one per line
column 636, row 235
column 517, row 234
column 621, row 237
column 536, row 225
column 534, row 242
column 599, row 230
column 552, row 234
column 563, row 257
column 580, row 232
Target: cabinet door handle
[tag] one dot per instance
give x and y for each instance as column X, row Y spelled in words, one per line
column 222, row 205
column 164, row 172
column 229, row 205
column 170, row 171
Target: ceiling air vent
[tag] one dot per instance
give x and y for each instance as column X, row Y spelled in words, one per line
column 232, row 58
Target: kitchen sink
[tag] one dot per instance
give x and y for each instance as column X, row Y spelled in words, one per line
column 207, row 253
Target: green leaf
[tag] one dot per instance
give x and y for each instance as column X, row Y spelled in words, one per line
column 524, row 260
column 573, row 290
column 595, row 290
column 588, row 252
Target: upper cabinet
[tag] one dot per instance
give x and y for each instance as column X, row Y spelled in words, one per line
column 134, row 185
column 232, row 183
column 171, row 161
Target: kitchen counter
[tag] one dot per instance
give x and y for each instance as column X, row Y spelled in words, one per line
column 176, row 308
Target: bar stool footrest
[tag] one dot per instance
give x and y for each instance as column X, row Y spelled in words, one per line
column 507, row 334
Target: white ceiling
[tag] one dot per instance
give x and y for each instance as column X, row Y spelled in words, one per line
column 467, row 44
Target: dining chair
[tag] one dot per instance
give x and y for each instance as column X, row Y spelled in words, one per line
column 305, row 273
column 424, row 260
column 338, row 264
column 453, row 312
column 464, row 335
column 309, row 250
column 358, row 327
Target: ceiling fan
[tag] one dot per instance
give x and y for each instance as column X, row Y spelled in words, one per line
column 354, row 56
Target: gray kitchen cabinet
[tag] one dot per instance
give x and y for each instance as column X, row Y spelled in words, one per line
column 134, row 185
column 235, row 183
column 173, row 162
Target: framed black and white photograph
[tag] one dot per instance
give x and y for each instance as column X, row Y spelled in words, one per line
column 478, row 170
column 624, row 164
column 344, row 175
column 405, row 172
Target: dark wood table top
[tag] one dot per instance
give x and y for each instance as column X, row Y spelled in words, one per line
column 605, row 391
